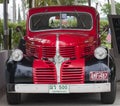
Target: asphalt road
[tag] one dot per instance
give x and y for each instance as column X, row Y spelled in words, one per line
column 62, row 100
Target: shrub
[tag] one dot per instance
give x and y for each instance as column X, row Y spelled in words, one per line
column 104, row 26
column 15, row 35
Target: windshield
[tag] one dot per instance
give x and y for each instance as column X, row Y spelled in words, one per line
column 60, row 21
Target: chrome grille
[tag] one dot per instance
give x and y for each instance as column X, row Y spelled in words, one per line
column 44, row 75
column 48, row 52
column 67, row 51
column 30, row 49
column 72, row 75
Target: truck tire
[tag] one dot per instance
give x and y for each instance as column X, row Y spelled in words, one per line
column 13, row 98
column 109, row 97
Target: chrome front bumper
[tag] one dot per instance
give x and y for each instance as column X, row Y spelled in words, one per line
column 73, row 88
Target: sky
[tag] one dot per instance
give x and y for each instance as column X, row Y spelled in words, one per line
column 18, row 2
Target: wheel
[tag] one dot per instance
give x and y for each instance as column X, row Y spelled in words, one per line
column 109, row 97
column 13, row 98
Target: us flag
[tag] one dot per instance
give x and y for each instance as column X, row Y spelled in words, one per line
column 108, row 38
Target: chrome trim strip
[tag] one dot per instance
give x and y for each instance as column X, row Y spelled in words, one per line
column 57, row 57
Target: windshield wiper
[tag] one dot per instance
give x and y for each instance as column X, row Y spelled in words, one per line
column 80, row 20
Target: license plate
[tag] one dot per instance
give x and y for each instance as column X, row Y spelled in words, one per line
column 99, row 76
column 58, row 88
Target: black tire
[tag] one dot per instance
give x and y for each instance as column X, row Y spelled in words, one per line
column 13, row 98
column 109, row 97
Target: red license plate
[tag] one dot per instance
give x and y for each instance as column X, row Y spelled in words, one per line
column 98, row 76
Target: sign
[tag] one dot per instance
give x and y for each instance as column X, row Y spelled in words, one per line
column 114, row 22
column 58, row 88
column 98, row 76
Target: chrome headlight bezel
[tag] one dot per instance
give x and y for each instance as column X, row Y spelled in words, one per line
column 17, row 55
column 100, row 53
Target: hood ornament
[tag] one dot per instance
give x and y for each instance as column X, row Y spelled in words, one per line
column 58, row 59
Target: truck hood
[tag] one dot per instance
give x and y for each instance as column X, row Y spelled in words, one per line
column 65, row 39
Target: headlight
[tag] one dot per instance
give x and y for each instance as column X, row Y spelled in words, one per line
column 100, row 53
column 17, row 55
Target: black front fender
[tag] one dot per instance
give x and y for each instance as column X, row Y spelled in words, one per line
column 107, row 64
column 19, row 72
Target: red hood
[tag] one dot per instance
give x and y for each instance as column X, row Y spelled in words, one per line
column 70, row 44
column 65, row 39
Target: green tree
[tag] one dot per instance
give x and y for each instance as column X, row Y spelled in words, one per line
column 65, row 2
column 106, row 9
column 118, row 8
column 53, row 2
column 59, row 2
column 38, row 3
column 1, row 1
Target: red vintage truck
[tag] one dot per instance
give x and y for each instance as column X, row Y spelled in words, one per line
column 61, row 53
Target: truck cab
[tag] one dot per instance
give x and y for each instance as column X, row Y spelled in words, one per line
column 61, row 53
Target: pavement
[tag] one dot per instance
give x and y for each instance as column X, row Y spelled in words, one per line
column 62, row 100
